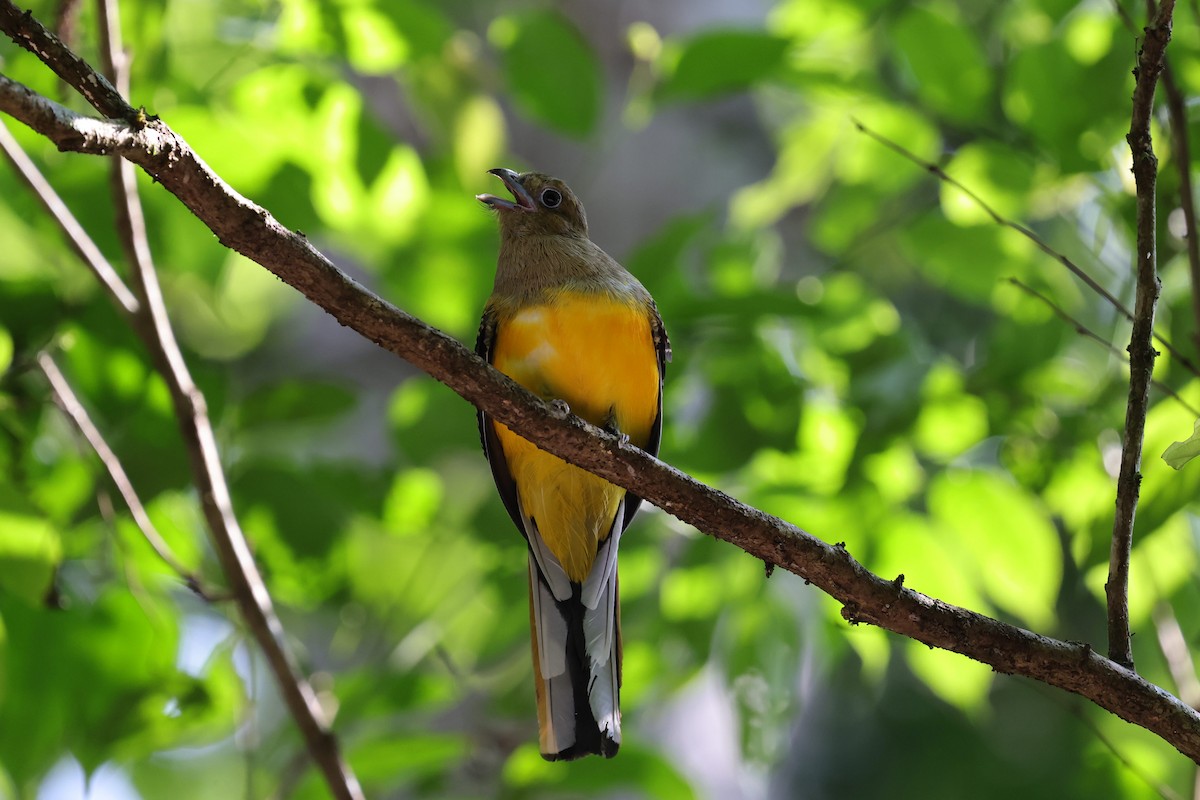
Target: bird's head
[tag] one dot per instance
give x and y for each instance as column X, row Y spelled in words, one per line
column 541, row 205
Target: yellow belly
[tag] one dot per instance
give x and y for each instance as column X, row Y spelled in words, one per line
column 597, row 355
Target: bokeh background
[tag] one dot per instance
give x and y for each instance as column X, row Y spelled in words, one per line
column 849, row 355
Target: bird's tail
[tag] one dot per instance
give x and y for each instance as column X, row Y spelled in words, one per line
column 577, row 664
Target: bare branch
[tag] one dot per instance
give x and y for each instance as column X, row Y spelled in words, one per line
column 25, row 30
column 1141, row 347
column 153, row 325
column 1041, row 243
column 66, row 399
column 151, row 322
column 1087, row 332
column 866, row 597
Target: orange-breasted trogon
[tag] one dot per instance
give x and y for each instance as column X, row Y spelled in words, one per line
column 569, row 323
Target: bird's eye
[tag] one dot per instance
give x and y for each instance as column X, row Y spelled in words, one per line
column 551, row 198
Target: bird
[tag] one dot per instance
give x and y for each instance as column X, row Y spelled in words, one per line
column 570, row 324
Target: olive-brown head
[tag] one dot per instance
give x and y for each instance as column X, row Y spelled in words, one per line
column 541, row 206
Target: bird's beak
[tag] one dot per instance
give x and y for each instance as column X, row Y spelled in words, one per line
column 524, row 201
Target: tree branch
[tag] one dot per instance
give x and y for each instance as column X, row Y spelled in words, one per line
column 1088, row 333
column 80, row 242
column 67, row 400
column 148, row 317
column 26, row 31
column 866, row 597
column 1141, row 346
column 1076, row 270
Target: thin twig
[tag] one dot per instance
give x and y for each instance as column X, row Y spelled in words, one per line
column 866, row 598
column 25, row 30
column 154, row 327
column 80, row 242
column 1087, row 332
column 1181, row 155
column 1141, row 347
column 68, row 401
column 1041, row 243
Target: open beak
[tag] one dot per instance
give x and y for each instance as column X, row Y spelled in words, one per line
column 522, row 200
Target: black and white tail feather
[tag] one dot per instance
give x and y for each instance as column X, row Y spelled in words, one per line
column 577, row 646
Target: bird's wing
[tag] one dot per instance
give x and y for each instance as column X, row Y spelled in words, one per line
column 487, row 431
column 662, row 346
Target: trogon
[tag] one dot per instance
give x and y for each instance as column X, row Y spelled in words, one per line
column 569, row 323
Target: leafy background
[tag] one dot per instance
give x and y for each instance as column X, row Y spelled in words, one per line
column 849, row 356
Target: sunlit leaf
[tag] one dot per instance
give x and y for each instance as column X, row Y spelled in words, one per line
column 413, row 501
column 1011, row 547
column 6, row 350
column 1001, row 177
column 964, row 685
column 1180, row 453
column 29, row 550
column 372, row 44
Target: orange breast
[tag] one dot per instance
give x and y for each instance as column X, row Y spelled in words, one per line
column 596, row 354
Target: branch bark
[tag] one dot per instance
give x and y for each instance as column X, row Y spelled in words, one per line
column 1141, row 347
column 67, row 400
column 866, row 597
column 1004, row 222
column 1086, row 332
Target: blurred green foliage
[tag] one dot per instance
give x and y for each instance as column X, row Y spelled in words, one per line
column 848, row 355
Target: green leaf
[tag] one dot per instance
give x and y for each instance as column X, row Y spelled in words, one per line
column 960, row 682
column 968, row 262
column 414, row 500
column 30, row 549
column 373, row 45
column 1180, row 453
column 1076, row 117
column 551, row 70
column 6, row 350
column 423, row 753
column 719, row 62
column 1003, row 537
column 1002, row 177
column 101, row 672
